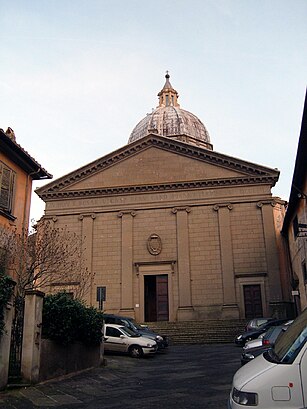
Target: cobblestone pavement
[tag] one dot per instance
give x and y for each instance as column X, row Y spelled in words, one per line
column 184, row 377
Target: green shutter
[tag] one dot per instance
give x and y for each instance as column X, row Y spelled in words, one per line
column 7, row 180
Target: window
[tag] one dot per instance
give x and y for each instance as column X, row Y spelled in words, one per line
column 7, row 181
column 166, row 100
column 113, row 332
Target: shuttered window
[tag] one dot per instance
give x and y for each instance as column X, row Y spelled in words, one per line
column 7, row 181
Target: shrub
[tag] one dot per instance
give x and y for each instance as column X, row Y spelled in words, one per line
column 66, row 320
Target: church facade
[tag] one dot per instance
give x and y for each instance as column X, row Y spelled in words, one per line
column 173, row 230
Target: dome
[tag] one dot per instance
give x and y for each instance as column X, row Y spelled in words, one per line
column 169, row 120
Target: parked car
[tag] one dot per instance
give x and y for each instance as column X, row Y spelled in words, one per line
column 162, row 341
column 118, row 338
column 252, row 334
column 267, row 338
column 267, row 342
column 256, row 323
column 253, row 343
column 278, row 377
column 270, row 337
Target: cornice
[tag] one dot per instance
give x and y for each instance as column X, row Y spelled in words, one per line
column 200, row 184
column 22, row 158
column 197, row 153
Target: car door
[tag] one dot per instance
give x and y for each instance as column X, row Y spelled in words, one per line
column 114, row 340
column 303, row 369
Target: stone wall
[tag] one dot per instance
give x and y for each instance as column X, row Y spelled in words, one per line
column 57, row 360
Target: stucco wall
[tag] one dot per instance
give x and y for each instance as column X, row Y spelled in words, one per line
column 22, row 197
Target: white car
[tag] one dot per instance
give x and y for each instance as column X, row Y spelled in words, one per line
column 277, row 378
column 118, row 338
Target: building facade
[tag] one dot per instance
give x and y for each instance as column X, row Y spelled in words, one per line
column 17, row 171
column 173, row 230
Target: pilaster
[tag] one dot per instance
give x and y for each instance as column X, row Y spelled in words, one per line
column 127, row 261
column 5, row 345
column 87, row 221
column 31, row 343
column 230, row 306
column 275, row 295
column 185, row 309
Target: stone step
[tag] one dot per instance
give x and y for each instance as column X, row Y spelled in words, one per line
column 199, row 332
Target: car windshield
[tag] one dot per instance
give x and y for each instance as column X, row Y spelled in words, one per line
column 289, row 344
column 260, row 322
column 134, row 324
column 129, row 332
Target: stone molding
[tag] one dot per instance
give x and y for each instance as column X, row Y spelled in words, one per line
column 266, row 202
column 35, row 292
column 219, row 206
column 245, row 275
column 124, row 212
column 181, row 209
column 92, row 215
column 208, row 183
column 138, row 264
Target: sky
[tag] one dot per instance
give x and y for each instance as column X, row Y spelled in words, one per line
column 76, row 76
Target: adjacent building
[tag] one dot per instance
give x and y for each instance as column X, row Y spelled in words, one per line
column 17, row 171
column 295, row 222
column 173, row 230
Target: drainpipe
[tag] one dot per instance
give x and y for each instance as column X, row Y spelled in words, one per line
column 24, row 227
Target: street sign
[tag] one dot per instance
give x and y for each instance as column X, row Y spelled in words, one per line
column 101, row 293
column 101, row 296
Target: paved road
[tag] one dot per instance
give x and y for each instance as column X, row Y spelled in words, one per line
column 185, row 377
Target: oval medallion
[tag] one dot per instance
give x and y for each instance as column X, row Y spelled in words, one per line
column 154, row 244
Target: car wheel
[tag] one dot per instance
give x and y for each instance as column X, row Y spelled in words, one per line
column 135, row 351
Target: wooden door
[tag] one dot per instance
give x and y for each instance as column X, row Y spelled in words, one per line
column 252, row 301
column 162, row 297
column 156, row 298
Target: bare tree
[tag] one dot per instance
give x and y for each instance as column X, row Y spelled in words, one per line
column 48, row 258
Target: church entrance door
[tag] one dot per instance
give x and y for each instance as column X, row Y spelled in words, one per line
column 156, row 298
column 252, row 301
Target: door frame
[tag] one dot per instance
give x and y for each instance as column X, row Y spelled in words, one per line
column 254, row 280
column 154, row 269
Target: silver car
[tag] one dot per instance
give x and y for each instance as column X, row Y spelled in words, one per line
column 253, row 343
column 118, row 338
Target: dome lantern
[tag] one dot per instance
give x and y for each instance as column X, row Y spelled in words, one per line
column 168, row 96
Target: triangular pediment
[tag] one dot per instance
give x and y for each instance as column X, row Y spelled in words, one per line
column 155, row 161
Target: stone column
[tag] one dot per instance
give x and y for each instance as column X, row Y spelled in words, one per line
column 5, row 343
column 271, row 253
column 230, row 307
column 185, row 309
column 31, row 343
column 127, row 262
column 87, row 243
